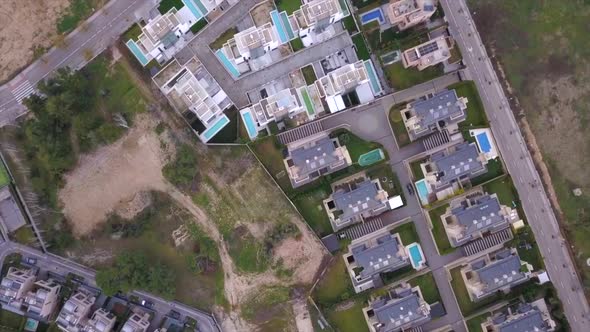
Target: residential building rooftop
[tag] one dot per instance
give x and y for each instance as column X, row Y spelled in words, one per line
column 354, row 201
column 405, row 14
column 402, row 309
column 309, row 161
column 494, row 273
column 43, row 299
column 474, row 216
column 318, row 11
column 343, row 79
column 11, row 216
column 253, row 42
column 74, row 312
column 283, row 104
column 464, row 161
column 137, row 323
column 15, row 285
column 368, row 257
column 442, row 110
column 428, row 54
column 531, row 317
column 101, row 321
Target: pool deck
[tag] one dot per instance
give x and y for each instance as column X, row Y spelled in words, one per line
column 490, row 151
column 248, row 121
column 211, row 131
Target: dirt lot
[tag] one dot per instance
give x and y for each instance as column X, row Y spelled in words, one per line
column 114, row 174
column 26, row 24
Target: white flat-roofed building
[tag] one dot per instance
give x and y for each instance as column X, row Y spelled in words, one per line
column 74, row 313
column 283, row 104
column 101, row 321
column 346, row 79
column 405, row 14
column 15, row 285
column 428, row 54
column 137, row 323
column 43, row 299
column 252, row 43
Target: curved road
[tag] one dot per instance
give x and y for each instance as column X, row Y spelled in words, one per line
column 537, row 207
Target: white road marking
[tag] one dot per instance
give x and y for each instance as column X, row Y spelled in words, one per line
column 23, row 91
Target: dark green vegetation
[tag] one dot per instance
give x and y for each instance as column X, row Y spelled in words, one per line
column 397, row 125
column 199, row 25
column 224, row 37
column 505, row 190
column 427, row 287
column 309, row 198
column 80, row 112
column 288, row 5
column 361, row 4
column 388, row 179
column 183, row 169
column 11, row 321
column 476, row 115
column 134, row 270
column 542, row 47
column 474, row 324
column 189, row 272
column 309, row 74
column 402, row 78
column 349, row 24
column 522, row 240
column 362, row 50
column 415, row 167
column 297, row 44
column 132, row 33
column 78, row 11
column 438, row 230
column 495, row 170
column 166, row 5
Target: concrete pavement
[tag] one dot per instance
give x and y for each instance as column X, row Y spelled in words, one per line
column 101, row 29
column 520, row 165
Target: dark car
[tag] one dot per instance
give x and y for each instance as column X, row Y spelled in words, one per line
column 147, row 304
column 410, row 188
column 174, row 314
column 31, row 260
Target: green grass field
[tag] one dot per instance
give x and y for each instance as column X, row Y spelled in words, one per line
column 467, row 307
column 427, row 287
column 4, row 177
column 438, row 230
column 166, row 5
column 288, row 5
column 297, row 44
column 224, row 37
column 311, row 207
column 407, row 233
column 350, row 319
column 401, row 78
column 476, row 116
column 335, row 286
column 361, row 47
column 474, row 324
column 415, row 167
column 11, row 321
column 77, row 11
column 397, row 125
column 309, row 74
column 505, row 190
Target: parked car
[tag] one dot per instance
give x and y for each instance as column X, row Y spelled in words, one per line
column 174, row 314
column 31, row 260
column 147, row 304
column 410, row 188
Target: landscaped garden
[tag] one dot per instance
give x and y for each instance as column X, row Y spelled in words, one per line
column 438, row 230
column 402, row 78
column 398, row 126
column 427, row 287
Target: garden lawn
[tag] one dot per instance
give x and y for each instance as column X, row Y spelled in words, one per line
column 198, row 26
column 474, row 324
column 401, row 78
column 495, row 170
column 349, row 320
column 397, row 125
column 310, row 205
column 438, row 230
column 407, row 233
column 11, row 320
column 427, row 287
column 4, row 177
column 349, row 24
column 335, row 285
column 166, row 5
column 288, row 5
column 476, row 116
column 297, row 44
column 505, row 190
column 355, row 145
column 361, row 47
column 417, row 170
column 224, row 37
column 268, row 150
column 389, row 180
column 309, row 74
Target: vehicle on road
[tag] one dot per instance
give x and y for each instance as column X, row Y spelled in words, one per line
column 147, row 304
column 174, row 314
column 31, row 260
column 410, row 188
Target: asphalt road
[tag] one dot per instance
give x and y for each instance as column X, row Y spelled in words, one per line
column 518, row 160
column 102, row 29
column 61, row 266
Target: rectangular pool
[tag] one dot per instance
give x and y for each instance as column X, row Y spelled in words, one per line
column 137, row 52
column 416, row 256
column 276, row 21
column 422, row 190
column 191, row 6
column 227, row 64
column 249, row 122
column 215, row 128
column 373, row 15
column 484, row 142
column 373, row 77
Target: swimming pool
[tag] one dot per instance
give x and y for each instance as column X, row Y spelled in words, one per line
column 373, row 77
column 422, row 189
column 416, row 255
column 373, row 15
column 276, row 21
column 137, row 52
column 371, row 157
column 484, row 142
column 215, row 128
column 227, row 64
column 249, row 122
column 191, row 6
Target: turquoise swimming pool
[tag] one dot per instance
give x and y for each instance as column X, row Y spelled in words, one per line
column 422, row 190
column 215, row 128
column 276, row 21
column 373, row 77
column 416, row 256
column 137, row 52
column 249, row 122
column 484, row 142
column 227, row 64
column 191, row 6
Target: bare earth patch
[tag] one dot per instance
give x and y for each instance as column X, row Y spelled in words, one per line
column 26, row 24
column 113, row 175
